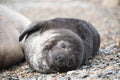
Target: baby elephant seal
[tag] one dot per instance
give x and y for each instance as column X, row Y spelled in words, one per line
column 60, row 44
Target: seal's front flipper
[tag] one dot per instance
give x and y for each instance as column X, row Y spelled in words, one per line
column 33, row 27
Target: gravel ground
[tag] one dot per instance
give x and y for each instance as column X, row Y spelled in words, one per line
column 106, row 64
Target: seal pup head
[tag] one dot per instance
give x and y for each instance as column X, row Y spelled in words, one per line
column 51, row 50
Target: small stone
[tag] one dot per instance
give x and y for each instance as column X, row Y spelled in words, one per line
column 30, row 78
column 92, row 66
column 118, row 64
column 70, row 72
column 4, row 75
column 39, row 77
column 93, row 76
column 118, row 74
column 114, row 62
column 53, row 75
column 85, row 67
column 101, row 66
column 106, row 63
column 100, row 51
column 31, row 70
column 73, row 72
column 118, row 54
column 74, row 78
column 106, row 73
column 85, row 76
column 50, row 78
column 64, row 78
column 25, row 67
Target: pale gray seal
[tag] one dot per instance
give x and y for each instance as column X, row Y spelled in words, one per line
column 60, row 44
column 11, row 24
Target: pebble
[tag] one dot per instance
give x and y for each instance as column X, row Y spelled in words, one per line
column 65, row 78
column 72, row 72
column 114, row 62
column 101, row 66
column 118, row 54
column 29, row 78
column 118, row 74
column 106, row 63
column 85, row 76
column 25, row 67
column 93, row 76
column 74, row 78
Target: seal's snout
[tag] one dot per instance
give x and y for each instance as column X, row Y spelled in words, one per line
column 60, row 60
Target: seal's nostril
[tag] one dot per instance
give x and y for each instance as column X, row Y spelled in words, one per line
column 71, row 62
column 59, row 58
column 60, row 61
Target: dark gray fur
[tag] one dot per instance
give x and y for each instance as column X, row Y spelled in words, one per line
column 83, row 48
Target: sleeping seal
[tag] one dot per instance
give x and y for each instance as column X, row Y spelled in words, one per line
column 59, row 44
column 11, row 24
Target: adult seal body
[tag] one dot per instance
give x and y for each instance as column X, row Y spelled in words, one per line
column 59, row 44
column 11, row 24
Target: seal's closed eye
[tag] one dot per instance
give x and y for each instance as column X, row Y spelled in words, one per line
column 63, row 45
